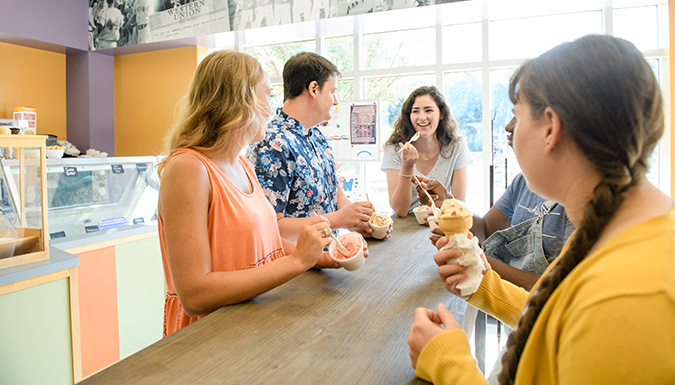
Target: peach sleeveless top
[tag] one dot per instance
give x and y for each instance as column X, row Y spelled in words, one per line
column 243, row 234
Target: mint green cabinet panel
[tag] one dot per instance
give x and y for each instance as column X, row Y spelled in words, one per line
column 140, row 294
column 35, row 337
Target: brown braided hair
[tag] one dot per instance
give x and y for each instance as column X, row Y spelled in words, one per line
column 609, row 103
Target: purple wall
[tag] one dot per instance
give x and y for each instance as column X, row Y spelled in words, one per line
column 62, row 26
column 61, row 22
column 102, row 103
column 90, row 101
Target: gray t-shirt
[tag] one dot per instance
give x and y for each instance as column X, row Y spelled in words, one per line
column 521, row 204
column 454, row 158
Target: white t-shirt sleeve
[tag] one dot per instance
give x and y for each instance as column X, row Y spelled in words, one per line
column 463, row 154
column 391, row 159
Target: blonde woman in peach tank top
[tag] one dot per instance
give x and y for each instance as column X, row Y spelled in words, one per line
column 218, row 233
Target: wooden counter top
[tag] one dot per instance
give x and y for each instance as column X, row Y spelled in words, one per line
column 323, row 327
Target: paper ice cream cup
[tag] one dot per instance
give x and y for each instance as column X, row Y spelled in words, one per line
column 433, row 224
column 354, row 242
column 379, row 223
column 420, row 213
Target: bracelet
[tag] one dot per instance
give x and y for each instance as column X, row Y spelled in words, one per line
column 405, row 176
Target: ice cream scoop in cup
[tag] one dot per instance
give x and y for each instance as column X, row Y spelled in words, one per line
column 380, row 224
column 432, row 221
column 354, row 243
column 421, row 213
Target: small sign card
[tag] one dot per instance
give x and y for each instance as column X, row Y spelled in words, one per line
column 112, row 223
column 57, row 235
column 70, row 171
column 117, row 168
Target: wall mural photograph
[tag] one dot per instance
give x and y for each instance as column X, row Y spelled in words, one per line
column 119, row 23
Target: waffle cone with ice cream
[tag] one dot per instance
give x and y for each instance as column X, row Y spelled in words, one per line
column 454, row 218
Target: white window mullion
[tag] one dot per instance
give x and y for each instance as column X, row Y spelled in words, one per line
column 439, row 53
column 358, row 78
column 608, row 20
column 487, row 116
column 320, row 32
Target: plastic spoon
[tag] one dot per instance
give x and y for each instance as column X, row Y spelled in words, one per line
column 434, row 209
column 371, row 202
column 339, row 245
column 414, row 137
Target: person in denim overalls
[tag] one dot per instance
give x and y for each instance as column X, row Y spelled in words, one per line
column 521, row 234
column 521, row 245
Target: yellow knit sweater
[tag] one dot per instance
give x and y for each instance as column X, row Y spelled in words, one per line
column 611, row 320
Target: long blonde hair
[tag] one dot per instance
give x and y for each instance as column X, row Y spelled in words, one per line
column 221, row 109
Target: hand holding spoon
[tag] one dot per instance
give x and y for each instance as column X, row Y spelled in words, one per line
column 339, row 245
column 434, row 209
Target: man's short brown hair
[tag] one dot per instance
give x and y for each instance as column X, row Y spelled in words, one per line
column 304, row 68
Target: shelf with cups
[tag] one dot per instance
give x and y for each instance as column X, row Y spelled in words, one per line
column 19, row 243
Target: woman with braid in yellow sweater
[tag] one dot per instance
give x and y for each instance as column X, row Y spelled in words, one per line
column 589, row 114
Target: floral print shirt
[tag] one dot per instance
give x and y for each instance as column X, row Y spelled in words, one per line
column 295, row 168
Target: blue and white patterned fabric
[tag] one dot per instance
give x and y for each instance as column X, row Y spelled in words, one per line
column 295, row 168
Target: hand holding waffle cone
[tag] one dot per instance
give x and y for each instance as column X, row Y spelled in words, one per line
column 455, row 220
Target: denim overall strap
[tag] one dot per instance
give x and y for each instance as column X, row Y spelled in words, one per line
column 547, row 207
column 521, row 245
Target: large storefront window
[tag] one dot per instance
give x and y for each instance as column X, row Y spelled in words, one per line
column 400, row 49
column 392, row 92
column 469, row 51
column 273, row 57
column 532, row 36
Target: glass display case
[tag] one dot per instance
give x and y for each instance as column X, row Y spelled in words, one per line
column 23, row 241
column 86, row 195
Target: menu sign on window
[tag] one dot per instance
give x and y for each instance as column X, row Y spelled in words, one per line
column 353, row 130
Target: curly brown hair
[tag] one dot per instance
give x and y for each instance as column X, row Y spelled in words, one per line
column 610, row 105
column 446, row 133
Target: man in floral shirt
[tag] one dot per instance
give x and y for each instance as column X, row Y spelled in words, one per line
column 294, row 163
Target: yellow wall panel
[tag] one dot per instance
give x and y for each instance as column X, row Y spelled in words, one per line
column 147, row 88
column 671, row 17
column 34, row 78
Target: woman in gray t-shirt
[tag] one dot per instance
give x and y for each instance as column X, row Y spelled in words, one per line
column 439, row 152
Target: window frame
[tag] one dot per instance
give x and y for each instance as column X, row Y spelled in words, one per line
column 446, row 15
